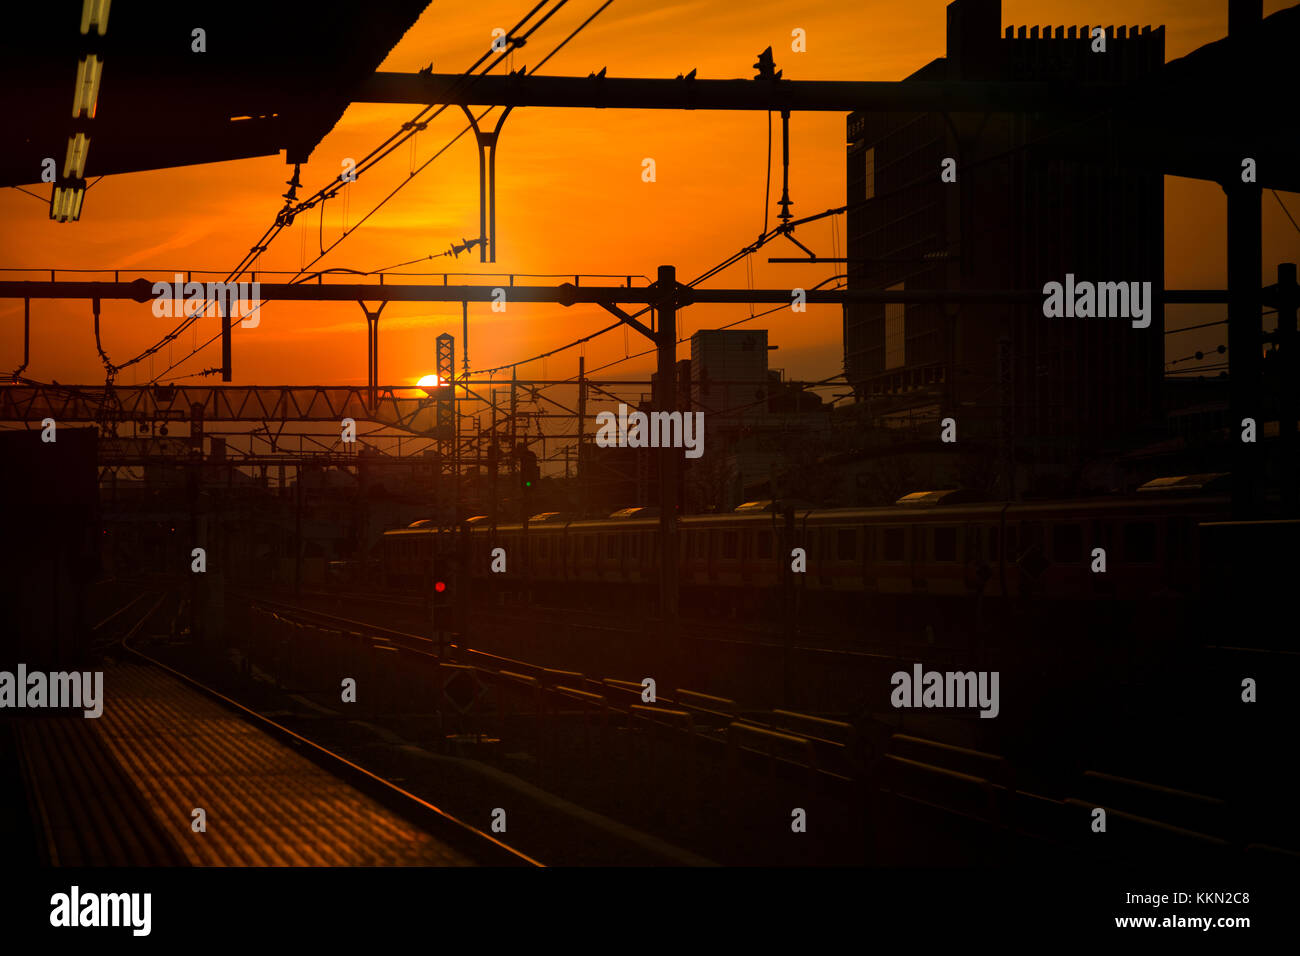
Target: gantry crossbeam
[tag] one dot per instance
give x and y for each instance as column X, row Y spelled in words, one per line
column 152, row 403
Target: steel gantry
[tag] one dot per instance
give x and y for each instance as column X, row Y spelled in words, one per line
column 664, row 298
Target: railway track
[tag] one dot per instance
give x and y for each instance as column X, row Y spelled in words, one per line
column 694, row 629
column 703, row 717
column 591, row 731
column 112, row 770
column 919, row 799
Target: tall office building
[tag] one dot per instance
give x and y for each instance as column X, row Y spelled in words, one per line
column 1034, row 198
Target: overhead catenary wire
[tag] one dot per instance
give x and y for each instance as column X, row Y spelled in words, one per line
column 1199, row 356
column 786, row 228
column 290, row 211
column 432, row 158
column 401, row 185
column 30, row 193
column 773, row 233
column 1285, row 210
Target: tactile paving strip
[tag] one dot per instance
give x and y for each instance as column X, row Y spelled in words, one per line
column 90, row 810
column 266, row 805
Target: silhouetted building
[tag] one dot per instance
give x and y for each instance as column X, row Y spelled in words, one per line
column 1022, row 211
column 50, row 506
column 729, row 375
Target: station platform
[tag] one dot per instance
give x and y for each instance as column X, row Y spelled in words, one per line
column 120, row 790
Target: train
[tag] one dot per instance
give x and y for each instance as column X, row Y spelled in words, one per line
column 938, row 545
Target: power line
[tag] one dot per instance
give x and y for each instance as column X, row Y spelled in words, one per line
column 1284, row 209
column 628, row 358
column 30, row 193
column 1199, row 356
column 286, row 215
column 324, row 194
column 401, row 185
column 1203, row 325
column 650, row 351
column 784, row 228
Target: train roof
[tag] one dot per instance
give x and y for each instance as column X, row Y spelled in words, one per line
column 1192, row 498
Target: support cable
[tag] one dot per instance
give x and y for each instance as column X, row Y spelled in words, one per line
column 514, row 41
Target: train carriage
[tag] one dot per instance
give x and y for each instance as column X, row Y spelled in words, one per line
column 931, row 545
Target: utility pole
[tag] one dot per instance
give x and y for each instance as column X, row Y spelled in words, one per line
column 665, row 400
column 514, row 416
column 494, row 457
column 297, row 533
column 461, row 582
column 193, row 480
column 225, row 341
column 1245, row 329
column 786, row 539
column 1288, row 297
column 435, row 530
column 455, row 475
column 464, row 339
column 582, row 425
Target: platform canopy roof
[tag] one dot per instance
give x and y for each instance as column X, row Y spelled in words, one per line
column 273, row 76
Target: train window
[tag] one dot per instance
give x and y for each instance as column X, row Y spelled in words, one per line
column 1032, row 535
column 588, row 545
column 1067, row 543
column 1140, row 542
column 945, row 544
column 867, row 541
column 1175, row 537
column 892, row 547
column 1103, row 533
column 701, row 544
column 846, row 544
column 633, row 545
column 765, row 544
column 1009, row 545
column 611, row 545
column 993, row 544
column 730, row 544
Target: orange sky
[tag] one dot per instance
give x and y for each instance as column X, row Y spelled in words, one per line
column 570, row 196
